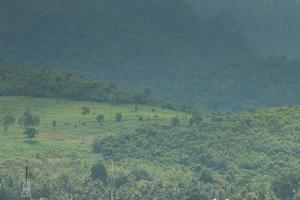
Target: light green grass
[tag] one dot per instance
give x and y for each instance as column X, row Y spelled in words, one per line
column 71, row 139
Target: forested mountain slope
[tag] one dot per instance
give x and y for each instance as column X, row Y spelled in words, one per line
column 113, row 33
column 161, row 45
column 142, row 44
column 33, row 82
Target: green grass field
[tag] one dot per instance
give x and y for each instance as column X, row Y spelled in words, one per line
column 246, row 144
column 70, row 140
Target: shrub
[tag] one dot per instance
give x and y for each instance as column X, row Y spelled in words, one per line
column 175, row 121
column 100, row 118
column 119, row 117
column 99, row 172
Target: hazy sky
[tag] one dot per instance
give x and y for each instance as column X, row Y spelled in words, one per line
column 271, row 25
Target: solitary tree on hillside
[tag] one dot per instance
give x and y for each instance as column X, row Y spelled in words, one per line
column 85, row 110
column 119, row 117
column 30, row 133
column 8, row 121
column 100, row 118
column 30, row 120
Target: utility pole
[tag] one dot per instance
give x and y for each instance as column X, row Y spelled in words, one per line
column 26, row 191
column 112, row 174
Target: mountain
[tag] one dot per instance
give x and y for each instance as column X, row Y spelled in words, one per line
column 142, row 44
column 174, row 48
column 114, row 33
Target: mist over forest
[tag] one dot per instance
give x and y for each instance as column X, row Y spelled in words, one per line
column 176, row 48
column 149, row 99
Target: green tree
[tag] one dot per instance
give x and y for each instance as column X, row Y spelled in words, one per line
column 30, row 120
column 100, row 118
column 119, row 117
column 30, row 133
column 175, row 121
column 8, row 121
column 85, row 110
column 99, row 172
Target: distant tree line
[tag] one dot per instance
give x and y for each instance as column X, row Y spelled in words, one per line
column 21, row 81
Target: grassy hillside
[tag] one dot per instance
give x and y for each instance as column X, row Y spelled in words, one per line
column 71, row 138
column 254, row 153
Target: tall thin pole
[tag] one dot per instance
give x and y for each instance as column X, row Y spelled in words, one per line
column 112, row 180
column 112, row 174
column 26, row 191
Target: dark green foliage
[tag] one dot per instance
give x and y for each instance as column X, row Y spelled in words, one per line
column 30, row 120
column 206, row 177
column 85, row 110
column 285, row 186
column 9, row 188
column 65, row 187
column 98, row 172
column 8, row 121
column 119, row 117
column 175, row 121
column 196, row 119
column 140, row 175
column 100, row 118
column 27, row 81
column 121, row 181
column 30, row 132
column 54, row 123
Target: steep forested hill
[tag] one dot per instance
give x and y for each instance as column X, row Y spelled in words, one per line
column 27, row 81
column 162, row 45
column 144, row 44
column 128, row 35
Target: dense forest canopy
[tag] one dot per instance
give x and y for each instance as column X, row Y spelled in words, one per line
column 32, row 82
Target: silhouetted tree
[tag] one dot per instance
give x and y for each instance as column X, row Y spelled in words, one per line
column 119, row 117
column 85, row 110
column 8, row 121
column 30, row 120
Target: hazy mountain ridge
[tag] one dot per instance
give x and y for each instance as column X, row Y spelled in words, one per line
column 105, row 34
column 271, row 26
column 162, row 45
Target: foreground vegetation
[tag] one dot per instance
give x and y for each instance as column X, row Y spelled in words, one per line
column 155, row 152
